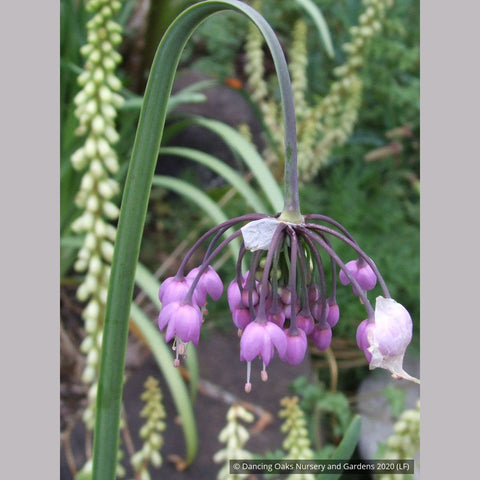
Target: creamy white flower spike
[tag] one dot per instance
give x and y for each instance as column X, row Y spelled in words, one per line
column 389, row 337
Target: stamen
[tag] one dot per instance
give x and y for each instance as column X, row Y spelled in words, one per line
column 248, row 385
column 177, row 344
column 182, row 348
column 264, row 373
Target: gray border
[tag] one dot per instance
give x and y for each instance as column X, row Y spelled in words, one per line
column 29, row 203
column 29, row 195
column 449, row 231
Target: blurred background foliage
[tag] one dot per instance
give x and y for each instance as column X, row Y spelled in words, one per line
column 370, row 183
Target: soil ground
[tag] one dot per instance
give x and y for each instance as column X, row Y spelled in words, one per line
column 222, row 382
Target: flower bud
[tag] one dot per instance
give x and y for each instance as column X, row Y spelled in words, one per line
column 95, row 265
column 90, row 241
column 110, row 210
column 88, row 376
column 97, row 169
column 98, row 125
column 79, row 159
column 111, row 163
column 83, row 292
column 107, row 251
column 92, row 203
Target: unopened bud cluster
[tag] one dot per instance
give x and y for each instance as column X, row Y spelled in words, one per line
column 325, row 123
column 234, row 435
column 405, row 441
column 96, row 110
column 334, row 117
column 297, row 442
column 151, row 431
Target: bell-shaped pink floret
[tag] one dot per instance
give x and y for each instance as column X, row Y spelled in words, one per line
column 321, row 337
column 181, row 319
column 235, row 298
column 362, row 272
column 296, row 347
column 333, row 313
column 305, row 322
column 209, row 282
column 259, row 339
column 241, row 317
column 276, row 315
column 362, row 337
column 233, row 295
column 174, row 290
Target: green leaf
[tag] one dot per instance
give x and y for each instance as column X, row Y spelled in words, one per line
column 174, row 380
column 198, row 198
column 346, row 447
column 150, row 285
column 228, row 173
column 134, row 209
column 240, row 145
column 190, row 94
column 319, row 21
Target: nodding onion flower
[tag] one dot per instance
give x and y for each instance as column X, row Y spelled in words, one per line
column 283, row 299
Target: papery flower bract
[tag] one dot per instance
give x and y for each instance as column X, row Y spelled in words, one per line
column 209, row 282
column 181, row 319
column 389, row 337
column 296, row 347
column 362, row 272
column 259, row 339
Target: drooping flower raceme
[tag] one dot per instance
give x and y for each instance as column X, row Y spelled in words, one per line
column 283, row 300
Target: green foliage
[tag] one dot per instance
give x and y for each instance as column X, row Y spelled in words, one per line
column 396, row 398
column 219, row 37
column 391, row 78
column 317, row 399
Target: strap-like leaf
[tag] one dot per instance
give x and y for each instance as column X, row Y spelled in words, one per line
column 222, row 169
column 199, row 198
column 319, row 21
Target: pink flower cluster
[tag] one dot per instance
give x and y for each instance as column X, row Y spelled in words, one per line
column 183, row 299
column 283, row 301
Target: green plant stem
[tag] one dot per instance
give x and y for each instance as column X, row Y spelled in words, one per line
column 134, row 208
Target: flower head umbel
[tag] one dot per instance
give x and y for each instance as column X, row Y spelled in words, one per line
column 287, row 296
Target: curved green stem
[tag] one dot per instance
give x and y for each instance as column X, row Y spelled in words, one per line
column 135, row 202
